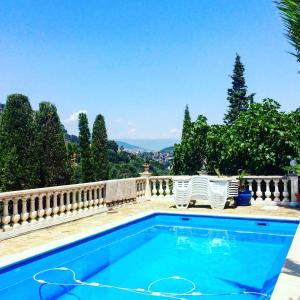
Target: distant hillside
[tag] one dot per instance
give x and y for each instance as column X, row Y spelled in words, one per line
column 167, row 150
column 130, row 147
column 151, row 144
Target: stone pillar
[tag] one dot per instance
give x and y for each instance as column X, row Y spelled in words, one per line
column 146, row 174
column 294, row 189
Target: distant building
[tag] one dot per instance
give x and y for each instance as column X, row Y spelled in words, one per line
column 1, row 107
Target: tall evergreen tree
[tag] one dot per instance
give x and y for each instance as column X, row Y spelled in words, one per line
column 182, row 150
column 17, row 158
column 187, row 124
column 50, row 147
column 100, row 149
column 237, row 95
column 85, row 149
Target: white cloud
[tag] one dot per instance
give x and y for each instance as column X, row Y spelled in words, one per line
column 174, row 130
column 131, row 130
column 74, row 116
column 130, row 123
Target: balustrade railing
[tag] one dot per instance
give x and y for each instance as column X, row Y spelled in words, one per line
column 161, row 187
column 270, row 190
column 27, row 210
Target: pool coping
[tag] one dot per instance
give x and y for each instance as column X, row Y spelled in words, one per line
column 286, row 285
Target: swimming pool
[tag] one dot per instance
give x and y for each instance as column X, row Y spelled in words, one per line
column 165, row 256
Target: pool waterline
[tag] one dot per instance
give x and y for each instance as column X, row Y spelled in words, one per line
column 103, row 230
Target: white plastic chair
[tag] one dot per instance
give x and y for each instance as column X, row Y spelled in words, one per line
column 199, row 188
column 182, row 192
column 218, row 193
column 233, row 188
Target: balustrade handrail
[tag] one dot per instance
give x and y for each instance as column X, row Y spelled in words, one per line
column 58, row 188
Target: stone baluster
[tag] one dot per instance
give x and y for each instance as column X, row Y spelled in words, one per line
column 91, row 197
column 24, row 214
column 55, row 208
column 285, row 192
column 268, row 193
column 6, row 218
column 102, row 195
column 250, row 183
column 258, row 191
column 96, row 197
column 48, row 210
column 41, row 210
column 74, row 202
column 154, row 190
column 68, row 204
column 62, row 206
column 161, row 190
column 33, row 212
column 167, row 190
column 80, row 203
column 85, row 199
column 276, row 192
column 15, row 217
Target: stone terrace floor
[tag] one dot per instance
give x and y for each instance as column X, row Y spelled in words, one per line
column 59, row 232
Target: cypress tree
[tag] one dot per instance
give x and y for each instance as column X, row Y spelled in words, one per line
column 85, row 149
column 17, row 158
column 181, row 151
column 50, row 147
column 237, row 95
column 187, row 124
column 100, row 149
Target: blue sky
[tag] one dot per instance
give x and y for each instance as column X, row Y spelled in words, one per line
column 139, row 62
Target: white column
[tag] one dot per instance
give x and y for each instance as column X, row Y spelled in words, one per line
column 6, row 217
column 294, row 189
column 154, row 190
column 41, row 210
column 146, row 175
column 48, row 210
column 268, row 200
column 24, row 214
column 276, row 192
column 250, row 182
column 68, row 204
column 33, row 212
column 161, row 190
column 285, row 193
column 55, row 208
column 258, row 191
column 16, row 217
column 168, row 192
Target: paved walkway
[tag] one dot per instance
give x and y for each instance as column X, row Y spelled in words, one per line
column 58, row 232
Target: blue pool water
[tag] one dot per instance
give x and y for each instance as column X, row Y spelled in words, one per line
column 162, row 256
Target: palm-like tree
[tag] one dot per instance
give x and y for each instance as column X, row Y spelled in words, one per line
column 290, row 13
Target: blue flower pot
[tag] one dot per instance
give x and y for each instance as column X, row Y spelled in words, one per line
column 244, row 198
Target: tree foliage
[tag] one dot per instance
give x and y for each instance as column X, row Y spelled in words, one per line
column 100, row 149
column 50, row 147
column 237, row 94
column 87, row 174
column 17, row 159
column 290, row 13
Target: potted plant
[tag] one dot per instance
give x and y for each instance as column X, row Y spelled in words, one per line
column 244, row 196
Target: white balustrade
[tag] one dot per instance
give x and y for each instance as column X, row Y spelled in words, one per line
column 161, row 187
column 27, row 210
column 269, row 190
